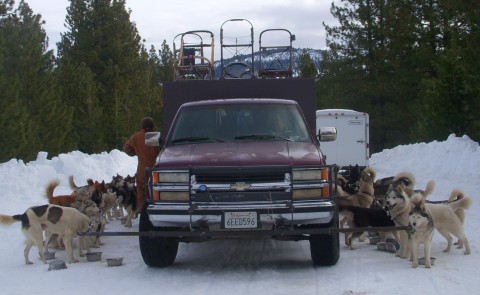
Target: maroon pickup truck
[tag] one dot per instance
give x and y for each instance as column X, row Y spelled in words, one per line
column 239, row 168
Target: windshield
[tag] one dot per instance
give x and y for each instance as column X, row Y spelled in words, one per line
column 239, row 122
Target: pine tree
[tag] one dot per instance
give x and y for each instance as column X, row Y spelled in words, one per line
column 31, row 99
column 165, row 62
column 451, row 90
column 404, row 61
column 14, row 123
column 13, row 140
column 307, row 67
column 79, row 88
column 122, row 85
column 372, row 66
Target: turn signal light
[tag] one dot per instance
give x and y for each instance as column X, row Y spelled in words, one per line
column 326, row 189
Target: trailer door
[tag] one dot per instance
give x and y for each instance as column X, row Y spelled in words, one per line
column 352, row 144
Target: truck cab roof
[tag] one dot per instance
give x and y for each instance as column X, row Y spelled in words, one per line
column 230, row 101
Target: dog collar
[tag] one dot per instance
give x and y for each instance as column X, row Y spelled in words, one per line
column 90, row 226
column 410, row 231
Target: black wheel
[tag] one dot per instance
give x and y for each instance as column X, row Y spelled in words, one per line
column 325, row 248
column 156, row 251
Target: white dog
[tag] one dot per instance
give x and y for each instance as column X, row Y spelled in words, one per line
column 398, row 203
column 422, row 229
column 448, row 223
column 65, row 221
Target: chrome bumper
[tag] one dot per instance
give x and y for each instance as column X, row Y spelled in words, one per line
column 211, row 215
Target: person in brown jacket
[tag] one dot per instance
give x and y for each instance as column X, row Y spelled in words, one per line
column 135, row 146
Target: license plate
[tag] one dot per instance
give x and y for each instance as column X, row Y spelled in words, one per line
column 240, row 219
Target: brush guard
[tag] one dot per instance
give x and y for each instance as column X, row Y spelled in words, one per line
column 278, row 233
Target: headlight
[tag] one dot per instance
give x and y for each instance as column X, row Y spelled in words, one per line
column 171, row 176
column 170, row 185
column 310, row 183
column 307, row 174
column 307, row 194
column 173, row 196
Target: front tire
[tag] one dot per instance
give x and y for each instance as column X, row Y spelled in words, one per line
column 156, row 251
column 325, row 248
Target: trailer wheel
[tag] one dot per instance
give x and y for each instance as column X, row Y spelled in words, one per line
column 325, row 248
column 156, row 251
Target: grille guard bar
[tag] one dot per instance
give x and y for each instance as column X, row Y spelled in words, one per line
column 244, row 233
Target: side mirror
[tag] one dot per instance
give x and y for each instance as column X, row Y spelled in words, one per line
column 327, row 134
column 152, row 139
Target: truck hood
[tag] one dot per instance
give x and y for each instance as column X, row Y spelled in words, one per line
column 243, row 153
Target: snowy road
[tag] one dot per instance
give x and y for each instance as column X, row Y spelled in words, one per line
column 236, row 267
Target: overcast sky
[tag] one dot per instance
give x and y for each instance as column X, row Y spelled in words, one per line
column 163, row 20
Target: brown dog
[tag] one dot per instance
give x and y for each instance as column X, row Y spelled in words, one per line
column 362, row 198
column 65, row 200
column 64, row 221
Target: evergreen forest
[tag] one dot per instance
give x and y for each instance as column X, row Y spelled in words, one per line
column 412, row 65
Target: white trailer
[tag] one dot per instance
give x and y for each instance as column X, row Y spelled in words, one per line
column 352, row 144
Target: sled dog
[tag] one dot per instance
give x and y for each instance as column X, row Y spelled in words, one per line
column 65, row 221
column 422, row 226
column 398, row 204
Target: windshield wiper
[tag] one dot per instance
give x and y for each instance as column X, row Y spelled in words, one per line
column 195, row 139
column 190, row 139
column 261, row 137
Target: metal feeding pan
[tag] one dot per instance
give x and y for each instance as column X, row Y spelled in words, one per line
column 115, row 261
column 94, row 256
column 49, row 255
column 57, row 265
column 421, row 260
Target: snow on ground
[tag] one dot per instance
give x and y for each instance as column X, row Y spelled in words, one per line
column 241, row 267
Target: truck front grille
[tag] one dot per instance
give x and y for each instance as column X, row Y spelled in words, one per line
column 248, row 175
column 241, row 177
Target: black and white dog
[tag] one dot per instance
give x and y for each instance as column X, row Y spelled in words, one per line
column 363, row 217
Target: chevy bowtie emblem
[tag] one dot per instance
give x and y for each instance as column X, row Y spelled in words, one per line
column 239, row 186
